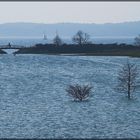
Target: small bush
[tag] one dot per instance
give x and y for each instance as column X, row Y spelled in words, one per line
column 79, row 92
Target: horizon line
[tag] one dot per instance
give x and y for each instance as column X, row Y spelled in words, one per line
column 28, row 22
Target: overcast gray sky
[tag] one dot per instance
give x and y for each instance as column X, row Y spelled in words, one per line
column 56, row 12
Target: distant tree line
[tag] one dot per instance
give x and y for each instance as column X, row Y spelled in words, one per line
column 81, row 38
column 137, row 40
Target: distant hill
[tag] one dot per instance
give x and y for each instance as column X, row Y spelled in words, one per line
column 129, row 29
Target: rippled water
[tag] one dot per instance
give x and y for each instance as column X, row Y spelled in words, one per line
column 34, row 103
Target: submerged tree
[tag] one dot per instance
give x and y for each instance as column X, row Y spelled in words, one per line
column 137, row 40
column 127, row 79
column 79, row 92
column 81, row 38
column 57, row 40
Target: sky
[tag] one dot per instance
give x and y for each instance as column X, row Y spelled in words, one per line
column 74, row 12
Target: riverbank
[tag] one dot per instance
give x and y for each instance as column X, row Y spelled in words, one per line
column 87, row 50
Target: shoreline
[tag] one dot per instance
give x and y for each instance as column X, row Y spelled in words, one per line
column 84, row 50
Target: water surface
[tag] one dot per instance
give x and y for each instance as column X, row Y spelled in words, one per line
column 34, row 103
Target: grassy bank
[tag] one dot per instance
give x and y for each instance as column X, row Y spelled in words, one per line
column 89, row 49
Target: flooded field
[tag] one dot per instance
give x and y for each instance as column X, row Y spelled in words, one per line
column 34, row 103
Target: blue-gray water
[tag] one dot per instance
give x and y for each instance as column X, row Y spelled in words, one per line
column 32, row 41
column 34, row 103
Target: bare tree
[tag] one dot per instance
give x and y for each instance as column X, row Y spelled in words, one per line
column 57, row 40
column 79, row 92
column 81, row 38
column 137, row 40
column 127, row 79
